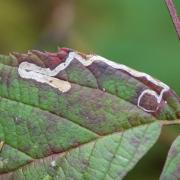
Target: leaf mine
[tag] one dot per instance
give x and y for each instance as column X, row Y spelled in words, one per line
column 69, row 110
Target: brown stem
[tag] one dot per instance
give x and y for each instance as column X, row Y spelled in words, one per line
column 174, row 16
column 168, row 122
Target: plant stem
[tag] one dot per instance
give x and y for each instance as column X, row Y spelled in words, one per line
column 168, row 122
column 174, row 16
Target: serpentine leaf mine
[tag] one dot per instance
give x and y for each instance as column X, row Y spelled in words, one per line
column 60, row 111
column 150, row 99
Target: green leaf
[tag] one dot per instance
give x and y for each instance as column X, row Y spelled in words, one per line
column 55, row 104
column 107, row 157
column 172, row 166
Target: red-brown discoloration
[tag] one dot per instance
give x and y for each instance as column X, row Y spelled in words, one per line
column 152, row 99
column 145, row 81
column 149, row 102
column 51, row 60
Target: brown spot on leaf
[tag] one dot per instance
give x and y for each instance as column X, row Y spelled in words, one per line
column 149, row 102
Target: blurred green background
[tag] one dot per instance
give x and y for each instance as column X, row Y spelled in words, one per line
column 138, row 33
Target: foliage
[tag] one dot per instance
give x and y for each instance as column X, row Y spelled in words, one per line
column 172, row 166
column 136, row 33
column 95, row 129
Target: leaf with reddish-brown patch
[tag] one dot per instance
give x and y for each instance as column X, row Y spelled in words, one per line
column 68, row 110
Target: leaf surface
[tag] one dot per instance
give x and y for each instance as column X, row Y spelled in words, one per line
column 172, row 166
column 55, row 105
column 107, row 157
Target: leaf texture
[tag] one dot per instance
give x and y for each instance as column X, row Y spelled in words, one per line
column 55, row 105
column 107, row 157
column 172, row 166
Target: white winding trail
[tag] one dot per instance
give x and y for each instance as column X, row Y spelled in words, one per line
column 46, row 75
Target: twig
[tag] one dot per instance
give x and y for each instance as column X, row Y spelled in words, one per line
column 174, row 16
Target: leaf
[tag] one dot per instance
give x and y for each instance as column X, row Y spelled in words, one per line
column 52, row 104
column 107, row 157
column 172, row 166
